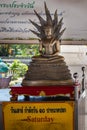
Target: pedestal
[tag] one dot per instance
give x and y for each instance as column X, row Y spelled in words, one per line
column 44, row 91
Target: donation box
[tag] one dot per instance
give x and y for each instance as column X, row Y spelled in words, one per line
column 39, row 115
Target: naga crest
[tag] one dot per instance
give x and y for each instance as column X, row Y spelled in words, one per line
column 53, row 25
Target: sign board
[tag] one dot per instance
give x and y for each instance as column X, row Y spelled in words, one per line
column 15, row 15
column 38, row 115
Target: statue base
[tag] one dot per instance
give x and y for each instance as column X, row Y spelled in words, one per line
column 48, row 72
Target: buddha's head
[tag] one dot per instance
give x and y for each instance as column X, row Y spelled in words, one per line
column 48, row 32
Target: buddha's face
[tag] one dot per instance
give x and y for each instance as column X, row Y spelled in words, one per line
column 48, row 32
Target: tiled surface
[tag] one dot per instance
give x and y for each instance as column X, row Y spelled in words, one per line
column 4, row 95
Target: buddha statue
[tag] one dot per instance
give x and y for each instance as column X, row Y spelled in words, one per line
column 49, row 68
